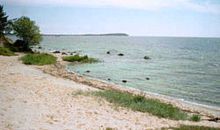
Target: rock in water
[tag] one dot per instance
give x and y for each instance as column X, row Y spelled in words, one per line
column 56, row 52
column 108, row 52
column 64, row 53
column 146, row 57
column 120, row 54
column 124, row 81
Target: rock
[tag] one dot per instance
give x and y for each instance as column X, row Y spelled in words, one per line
column 64, row 53
column 124, row 81
column 39, row 47
column 120, row 54
column 88, row 71
column 108, row 52
column 214, row 119
column 71, row 53
column 146, row 57
column 147, row 78
column 109, row 79
column 56, row 52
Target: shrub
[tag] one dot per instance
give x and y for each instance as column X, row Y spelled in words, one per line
column 142, row 104
column 78, row 58
column 38, row 59
column 195, row 118
column 6, row 52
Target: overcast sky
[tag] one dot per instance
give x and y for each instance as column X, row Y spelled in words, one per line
column 196, row 18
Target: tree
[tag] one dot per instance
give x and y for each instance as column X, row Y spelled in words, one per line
column 3, row 21
column 27, row 30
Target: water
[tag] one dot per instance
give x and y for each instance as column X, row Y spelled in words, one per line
column 185, row 68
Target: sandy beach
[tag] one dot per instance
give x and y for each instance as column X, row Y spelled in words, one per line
column 34, row 100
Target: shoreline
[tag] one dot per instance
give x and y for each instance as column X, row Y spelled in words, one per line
column 33, row 99
column 60, row 70
column 214, row 109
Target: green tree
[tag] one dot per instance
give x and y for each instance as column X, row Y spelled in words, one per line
column 3, row 21
column 27, row 30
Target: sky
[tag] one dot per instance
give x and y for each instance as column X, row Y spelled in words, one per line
column 194, row 18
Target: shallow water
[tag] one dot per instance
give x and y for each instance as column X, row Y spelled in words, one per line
column 185, row 68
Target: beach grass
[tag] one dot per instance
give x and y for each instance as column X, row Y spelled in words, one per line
column 38, row 59
column 142, row 104
column 6, row 52
column 195, row 118
column 186, row 127
column 78, row 58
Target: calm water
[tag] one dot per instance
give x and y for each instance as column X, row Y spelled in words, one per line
column 186, row 68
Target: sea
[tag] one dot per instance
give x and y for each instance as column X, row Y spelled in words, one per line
column 185, row 68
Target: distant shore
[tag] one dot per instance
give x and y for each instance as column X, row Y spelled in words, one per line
column 107, row 34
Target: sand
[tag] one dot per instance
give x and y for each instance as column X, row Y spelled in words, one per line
column 33, row 100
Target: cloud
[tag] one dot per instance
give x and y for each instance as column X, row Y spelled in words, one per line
column 153, row 5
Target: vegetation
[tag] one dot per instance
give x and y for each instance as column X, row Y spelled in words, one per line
column 6, row 52
column 23, row 28
column 38, row 59
column 78, row 58
column 142, row 104
column 195, row 118
column 27, row 30
column 185, row 127
column 3, row 21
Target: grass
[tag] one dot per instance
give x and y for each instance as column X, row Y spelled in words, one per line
column 38, row 59
column 142, row 104
column 195, row 118
column 6, row 52
column 78, row 58
column 185, row 127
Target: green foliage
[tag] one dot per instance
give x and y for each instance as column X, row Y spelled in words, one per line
column 78, row 58
column 142, row 104
column 38, row 59
column 3, row 21
column 6, row 52
column 185, row 127
column 27, row 30
column 195, row 118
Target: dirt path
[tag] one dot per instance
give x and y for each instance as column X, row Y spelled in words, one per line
column 33, row 100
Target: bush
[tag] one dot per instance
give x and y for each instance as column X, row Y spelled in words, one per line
column 6, row 52
column 21, row 46
column 38, row 59
column 77, row 58
column 142, row 104
column 195, row 118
